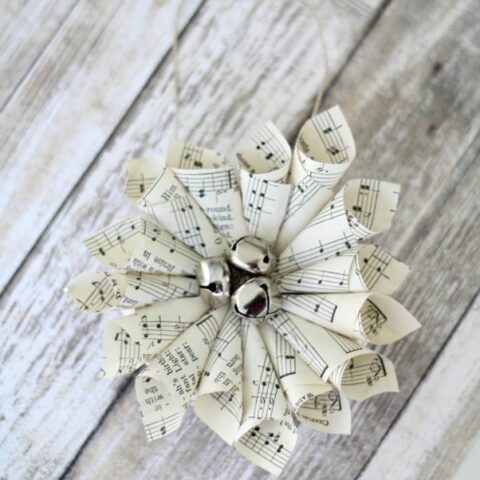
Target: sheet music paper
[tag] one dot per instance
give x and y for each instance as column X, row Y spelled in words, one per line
column 267, row 433
column 323, row 151
column 208, row 178
column 171, row 205
column 264, row 165
column 362, row 208
column 251, row 380
column 315, row 401
column 370, row 268
column 131, row 340
column 219, row 402
column 370, row 316
column 167, row 386
column 357, row 371
column 142, row 246
column 102, row 291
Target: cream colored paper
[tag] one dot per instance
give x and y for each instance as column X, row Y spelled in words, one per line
column 140, row 245
column 356, row 371
column 370, row 316
column 102, row 291
column 133, row 339
column 267, row 434
column 167, row 386
column 369, row 269
column 314, row 401
column 219, row 402
column 213, row 184
column 323, row 151
column 264, row 165
column 361, row 209
column 170, row 204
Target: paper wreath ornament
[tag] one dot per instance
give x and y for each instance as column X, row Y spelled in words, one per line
column 250, row 289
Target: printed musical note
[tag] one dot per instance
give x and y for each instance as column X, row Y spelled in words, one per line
column 366, row 375
column 230, row 403
column 360, row 372
column 136, row 187
column 315, row 280
column 129, row 352
column 227, row 335
column 267, row 150
column 285, row 357
column 218, row 193
column 264, row 203
column 219, row 402
column 269, row 445
column 186, row 156
column 172, row 206
column 370, row 206
column 283, row 323
column 162, row 427
column 314, row 400
column 146, row 288
column 327, row 403
column 169, row 382
column 372, row 318
column 319, row 305
column 375, row 267
column 323, row 152
column 140, row 245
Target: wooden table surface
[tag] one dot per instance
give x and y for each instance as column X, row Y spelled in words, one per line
column 85, row 85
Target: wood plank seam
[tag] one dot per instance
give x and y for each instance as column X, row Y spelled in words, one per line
column 120, row 392
column 426, row 217
column 22, row 79
column 467, row 159
column 336, row 77
column 90, row 166
column 87, row 53
column 420, row 381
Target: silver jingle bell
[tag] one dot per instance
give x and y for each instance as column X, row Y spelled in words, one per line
column 252, row 255
column 252, row 299
column 213, row 277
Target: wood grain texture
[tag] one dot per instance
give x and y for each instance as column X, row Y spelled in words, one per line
column 439, row 424
column 54, row 399
column 412, row 106
column 67, row 107
column 26, row 29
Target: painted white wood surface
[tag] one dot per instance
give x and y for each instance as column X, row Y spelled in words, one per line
column 26, row 29
column 67, row 106
column 412, row 106
column 435, row 431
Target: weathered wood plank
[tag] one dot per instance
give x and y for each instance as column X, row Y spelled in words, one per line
column 442, row 418
column 67, row 107
column 26, row 29
column 53, row 349
column 415, row 124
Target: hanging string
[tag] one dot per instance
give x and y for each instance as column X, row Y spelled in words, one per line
column 176, row 67
column 324, row 53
